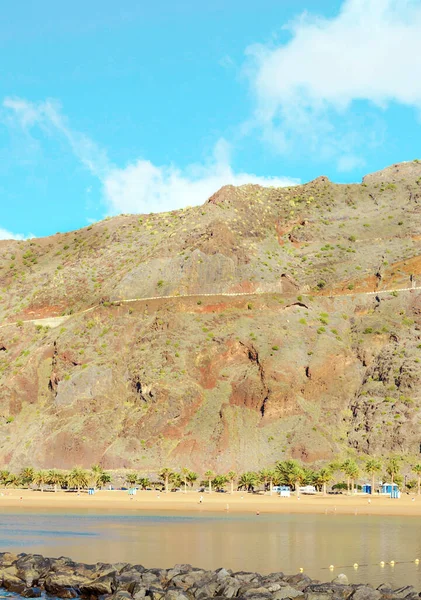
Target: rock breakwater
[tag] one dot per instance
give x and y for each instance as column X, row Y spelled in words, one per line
column 32, row 575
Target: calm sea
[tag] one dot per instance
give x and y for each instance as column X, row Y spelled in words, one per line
column 264, row 543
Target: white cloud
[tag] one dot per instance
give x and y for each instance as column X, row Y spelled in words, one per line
column 140, row 186
column 370, row 51
column 144, row 187
column 7, row 235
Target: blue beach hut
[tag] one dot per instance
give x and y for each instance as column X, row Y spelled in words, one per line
column 391, row 490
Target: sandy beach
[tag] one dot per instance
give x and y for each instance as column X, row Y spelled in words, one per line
column 119, row 501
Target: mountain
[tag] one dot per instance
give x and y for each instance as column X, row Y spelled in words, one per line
column 266, row 323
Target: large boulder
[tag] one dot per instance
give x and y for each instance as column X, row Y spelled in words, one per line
column 286, row 592
column 31, row 568
column 365, row 592
column 64, row 584
column 13, row 584
column 100, row 586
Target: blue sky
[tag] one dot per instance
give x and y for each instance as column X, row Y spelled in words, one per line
column 110, row 107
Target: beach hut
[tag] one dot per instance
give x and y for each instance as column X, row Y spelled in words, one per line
column 284, row 491
column 391, row 490
column 366, row 488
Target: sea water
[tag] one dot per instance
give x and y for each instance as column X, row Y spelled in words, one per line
column 263, row 543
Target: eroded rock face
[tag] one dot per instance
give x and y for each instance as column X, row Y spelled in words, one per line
column 64, row 578
column 317, row 357
column 219, row 384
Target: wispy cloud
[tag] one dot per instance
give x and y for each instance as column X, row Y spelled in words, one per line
column 7, row 235
column 307, row 89
column 48, row 116
column 139, row 186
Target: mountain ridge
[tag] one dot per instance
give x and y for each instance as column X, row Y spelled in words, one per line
column 219, row 381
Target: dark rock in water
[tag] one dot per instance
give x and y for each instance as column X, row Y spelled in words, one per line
column 31, row 592
column 13, row 584
column 32, row 575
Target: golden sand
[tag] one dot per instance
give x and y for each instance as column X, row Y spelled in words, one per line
column 119, row 501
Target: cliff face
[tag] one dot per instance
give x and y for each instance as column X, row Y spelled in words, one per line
column 305, row 362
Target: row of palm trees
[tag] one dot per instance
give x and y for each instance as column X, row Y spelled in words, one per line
column 288, row 472
column 77, row 478
column 291, row 473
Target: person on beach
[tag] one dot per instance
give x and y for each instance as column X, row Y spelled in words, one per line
column 200, row 499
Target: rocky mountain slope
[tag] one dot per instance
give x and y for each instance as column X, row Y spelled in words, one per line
column 289, row 353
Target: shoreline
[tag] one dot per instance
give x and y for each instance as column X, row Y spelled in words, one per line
column 237, row 503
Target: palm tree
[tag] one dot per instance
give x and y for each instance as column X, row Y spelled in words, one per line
column 272, row 476
column 248, row 481
column 231, row 477
column 209, row 475
column 104, row 478
column 184, row 474
column 354, row 474
column 309, row 476
column 373, row 466
column 165, row 474
column 417, row 469
column 78, row 478
column 27, row 475
column 323, row 477
column 191, row 477
column 54, row 478
column 4, row 474
column 220, row 481
column 12, row 480
column 176, row 480
column 131, row 478
column 393, row 467
column 351, row 470
column 264, row 477
column 96, row 473
column 143, row 482
column 290, row 473
column 40, row 479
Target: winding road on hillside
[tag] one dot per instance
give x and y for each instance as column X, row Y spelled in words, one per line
column 53, row 322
